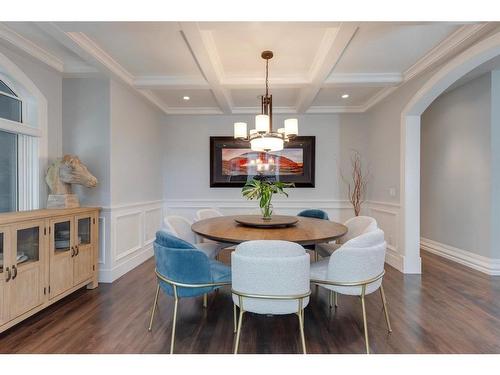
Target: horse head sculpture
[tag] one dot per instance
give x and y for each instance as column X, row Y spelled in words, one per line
column 66, row 171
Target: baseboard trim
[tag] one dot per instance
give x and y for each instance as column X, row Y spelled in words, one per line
column 139, row 257
column 393, row 258
column 489, row 266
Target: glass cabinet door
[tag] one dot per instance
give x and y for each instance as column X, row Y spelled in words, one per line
column 62, row 236
column 84, row 231
column 4, row 276
column 28, row 267
column 84, row 248
column 1, row 252
column 62, row 253
column 28, row 246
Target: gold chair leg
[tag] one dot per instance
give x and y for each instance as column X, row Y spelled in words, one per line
column 235, row 319
column 205, row 300
column 155, row 304
column 300, row 314
column 386, row 312
column 240, row 320
column 365, row 325
column 336, row 299
column 174, row 320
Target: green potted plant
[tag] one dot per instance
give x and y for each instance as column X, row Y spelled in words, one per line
column 263, row 190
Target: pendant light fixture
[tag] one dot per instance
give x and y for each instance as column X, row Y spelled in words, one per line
column 263, row 138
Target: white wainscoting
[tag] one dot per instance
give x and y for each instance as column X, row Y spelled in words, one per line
column 484, row 264
column 386, row 214
column 127, row 233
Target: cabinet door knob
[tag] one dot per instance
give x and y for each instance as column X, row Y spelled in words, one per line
column 14, row 268
column 9, row 274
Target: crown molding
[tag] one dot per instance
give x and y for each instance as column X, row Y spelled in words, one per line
column 363, row 79
column 32, row 49
column 453, row 44
column 170, row 82
column 194, row 111
column 317, row 109
column 449, row 46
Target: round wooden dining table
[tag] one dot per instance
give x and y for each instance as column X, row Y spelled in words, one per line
column 307, row 231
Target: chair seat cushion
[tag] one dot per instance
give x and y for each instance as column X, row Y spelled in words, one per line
column 326, row 249
column 220, row 272
column 318, row 270
column 211, row 249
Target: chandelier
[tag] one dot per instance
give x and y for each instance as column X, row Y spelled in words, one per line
column 263, row 138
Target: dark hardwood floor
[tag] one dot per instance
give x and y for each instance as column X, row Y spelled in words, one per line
column 449, row 309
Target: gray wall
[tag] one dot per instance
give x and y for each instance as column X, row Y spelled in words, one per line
column 136, row 148
column 185, row 141
column 86, row 133
column 455, row 168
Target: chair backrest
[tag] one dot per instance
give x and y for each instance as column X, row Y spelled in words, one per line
column 277, row 268
column 359, row 259
column 180, row 261
column 180, row 227
column 357, row 226
column 314, row 213
column 207, row 213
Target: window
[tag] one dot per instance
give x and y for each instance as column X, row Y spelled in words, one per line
column 19, row 178
column 8, row 172
column 10, row 105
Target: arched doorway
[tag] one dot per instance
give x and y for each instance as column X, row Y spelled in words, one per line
column 410, row 141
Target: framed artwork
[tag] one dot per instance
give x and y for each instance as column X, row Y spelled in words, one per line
column 232, row 162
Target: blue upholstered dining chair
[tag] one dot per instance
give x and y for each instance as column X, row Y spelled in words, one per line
column 314, row 214
column 184, row 271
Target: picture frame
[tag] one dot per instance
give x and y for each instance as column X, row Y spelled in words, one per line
column 232, row 162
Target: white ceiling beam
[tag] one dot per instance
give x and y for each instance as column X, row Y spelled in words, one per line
column 285, row 82
column 91, row 52
column 170, row 82
column 11, row 37
column 363, row 79
column 205, row 55
column 255, row 110
column 333, row 45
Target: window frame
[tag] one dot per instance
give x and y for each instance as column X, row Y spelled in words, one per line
column 28, row 153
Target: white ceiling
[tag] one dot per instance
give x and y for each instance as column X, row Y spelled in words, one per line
column 218, row 64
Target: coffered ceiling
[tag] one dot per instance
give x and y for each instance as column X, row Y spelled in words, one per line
column 218, row 64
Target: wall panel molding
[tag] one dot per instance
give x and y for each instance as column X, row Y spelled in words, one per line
column 124, row 237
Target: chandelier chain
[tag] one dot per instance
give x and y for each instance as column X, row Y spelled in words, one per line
column 267, row 77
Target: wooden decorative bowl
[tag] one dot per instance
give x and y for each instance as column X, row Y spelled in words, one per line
column 276, row 221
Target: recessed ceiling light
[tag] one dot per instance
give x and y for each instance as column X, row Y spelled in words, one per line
column 345, row 96
column 186, row 97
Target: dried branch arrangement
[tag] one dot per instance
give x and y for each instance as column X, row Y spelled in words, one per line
column 357, row 184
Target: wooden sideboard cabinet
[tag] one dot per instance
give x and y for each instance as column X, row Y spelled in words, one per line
column 44, row 256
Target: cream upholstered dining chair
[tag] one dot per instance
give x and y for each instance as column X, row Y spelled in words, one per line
column 356, row 226
column 181, row 227
column 356, row 269
column 207, row 213
column 270, row 277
